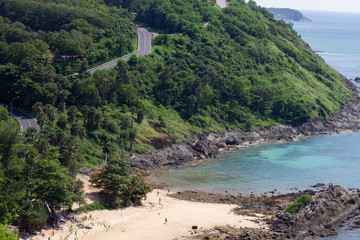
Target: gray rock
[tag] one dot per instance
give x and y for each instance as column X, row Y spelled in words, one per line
column 208, row 145
column 321, row 216
column 86, row 170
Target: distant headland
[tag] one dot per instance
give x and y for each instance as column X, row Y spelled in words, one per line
column 288, row 14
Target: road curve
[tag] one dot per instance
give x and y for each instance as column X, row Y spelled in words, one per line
column 144, row 47
column 25, row 119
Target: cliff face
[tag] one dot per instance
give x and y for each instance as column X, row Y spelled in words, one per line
column 211, row 145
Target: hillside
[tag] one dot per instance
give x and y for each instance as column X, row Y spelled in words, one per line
column 242, row 69
column 288, row 14
column 211, row 69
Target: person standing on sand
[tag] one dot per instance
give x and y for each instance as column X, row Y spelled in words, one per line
column 165, row 221
column 159, row 200
column 158, row 193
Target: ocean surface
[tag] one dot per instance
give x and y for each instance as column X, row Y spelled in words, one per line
column 336, row 36
column 285, row 167
column 291, row 166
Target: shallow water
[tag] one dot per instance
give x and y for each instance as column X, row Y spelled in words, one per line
column 285, row 166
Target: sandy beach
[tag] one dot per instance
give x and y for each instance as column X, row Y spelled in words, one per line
column 148, row 221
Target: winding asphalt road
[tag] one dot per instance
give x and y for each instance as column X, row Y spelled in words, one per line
column 25, row 119
column 144, row 47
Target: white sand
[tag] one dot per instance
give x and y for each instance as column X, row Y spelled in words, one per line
column 147, row 221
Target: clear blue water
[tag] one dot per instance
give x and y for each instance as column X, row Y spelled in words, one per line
column 336, row 36
column 329, row 158
column 292, row 165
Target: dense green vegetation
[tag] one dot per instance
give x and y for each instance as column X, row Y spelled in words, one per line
column 241, row 69
column 120, row 188
column 65, row 35
column 288, row 14
column 299, row 203
column 7, row 234
column 244, row 69
column 34, row 182
column 90, row 207
column 37, row 175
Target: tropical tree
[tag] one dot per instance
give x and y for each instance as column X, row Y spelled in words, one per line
column 117, row 184
column 9, row 136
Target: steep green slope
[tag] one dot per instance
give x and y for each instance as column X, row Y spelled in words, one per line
column 242, row 68
column 211, row 69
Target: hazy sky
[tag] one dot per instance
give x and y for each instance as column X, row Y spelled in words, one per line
column 323, row 5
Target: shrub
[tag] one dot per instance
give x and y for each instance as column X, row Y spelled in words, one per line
column 90, row 207
column 300, row 202
column 6, row 233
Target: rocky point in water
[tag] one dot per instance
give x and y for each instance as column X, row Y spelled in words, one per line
column 320, row 217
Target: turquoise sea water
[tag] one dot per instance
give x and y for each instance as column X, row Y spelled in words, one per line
column 284, row 166
column 291, row 166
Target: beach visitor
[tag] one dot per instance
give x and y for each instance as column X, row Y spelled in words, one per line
column 165, row 221
column 158, row 193
column 52, row 233
column 159, row 200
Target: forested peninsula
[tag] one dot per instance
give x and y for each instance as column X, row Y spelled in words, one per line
column 288, row 14
column 210, row 70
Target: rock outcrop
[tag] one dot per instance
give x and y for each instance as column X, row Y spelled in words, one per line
column 347, row 119
column 320, row 217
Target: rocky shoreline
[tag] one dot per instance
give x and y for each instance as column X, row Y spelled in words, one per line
column 328, row 209
column 347, row 119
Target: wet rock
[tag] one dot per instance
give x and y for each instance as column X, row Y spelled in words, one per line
column 321, row 216
column 209, row 145
column 318, row 185
column 357, row 222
